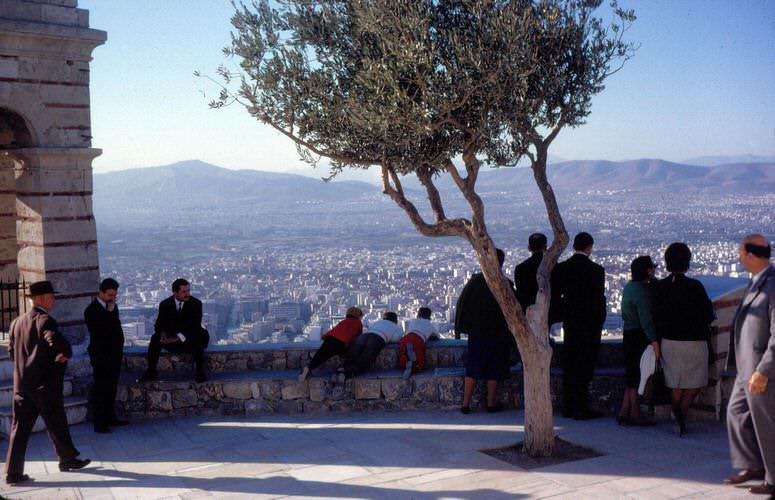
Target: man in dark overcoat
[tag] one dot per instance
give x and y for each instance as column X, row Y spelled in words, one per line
column 39, row 353
column 106, row 352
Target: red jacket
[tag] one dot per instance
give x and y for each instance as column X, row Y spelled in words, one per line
column 346, row 330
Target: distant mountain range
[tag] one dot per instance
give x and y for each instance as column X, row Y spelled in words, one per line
column 197, row 187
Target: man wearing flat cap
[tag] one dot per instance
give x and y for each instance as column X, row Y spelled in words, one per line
column 39, row 353
column 751, row 409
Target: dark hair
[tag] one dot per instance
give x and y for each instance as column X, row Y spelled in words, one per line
column 501, row 256
column 177, row 284
column 108, row 284
column 390, row 316
column 758, row 250
column 677, row 257
column 424, row 312
column 639, row 269
column 582, row 241
column 536, row 242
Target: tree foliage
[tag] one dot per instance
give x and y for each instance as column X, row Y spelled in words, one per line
column 411, row 85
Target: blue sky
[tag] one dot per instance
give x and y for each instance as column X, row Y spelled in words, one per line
column 702, row 83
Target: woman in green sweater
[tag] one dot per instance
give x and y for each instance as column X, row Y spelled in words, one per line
column 639, row 331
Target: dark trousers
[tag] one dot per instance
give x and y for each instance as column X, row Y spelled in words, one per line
column 47, row 403
column 194, row 345
column 579, row 356
column 103, row 394
column 362, row 353
column 331, row 347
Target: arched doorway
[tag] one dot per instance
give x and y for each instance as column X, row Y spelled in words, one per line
column 15, row 134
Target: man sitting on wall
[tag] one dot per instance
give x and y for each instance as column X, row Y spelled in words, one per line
column 178, row 329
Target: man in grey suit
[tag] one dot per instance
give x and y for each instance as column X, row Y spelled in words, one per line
column 751, row 410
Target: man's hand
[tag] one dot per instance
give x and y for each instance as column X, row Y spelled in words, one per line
column 757, row 383
column 657, row 352
column 61, row 358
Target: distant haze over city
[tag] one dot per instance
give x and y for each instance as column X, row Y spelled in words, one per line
column 278, row 256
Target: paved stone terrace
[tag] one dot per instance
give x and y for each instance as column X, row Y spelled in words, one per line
column 424, row 455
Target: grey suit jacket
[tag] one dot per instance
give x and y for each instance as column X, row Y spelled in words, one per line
column 752, row 342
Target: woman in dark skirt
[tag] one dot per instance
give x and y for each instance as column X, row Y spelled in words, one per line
column 489, row 340
column 639, row 332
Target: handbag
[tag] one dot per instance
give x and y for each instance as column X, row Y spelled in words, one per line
column 656, row 392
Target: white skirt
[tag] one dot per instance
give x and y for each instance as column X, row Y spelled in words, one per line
column 685, row 363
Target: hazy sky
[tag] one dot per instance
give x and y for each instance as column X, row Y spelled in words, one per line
column 702, row 83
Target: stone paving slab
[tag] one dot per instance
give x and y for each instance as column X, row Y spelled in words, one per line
column 423, row 455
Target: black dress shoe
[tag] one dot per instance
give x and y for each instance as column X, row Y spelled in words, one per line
column 148, row 376
column 118, row 422
column 465, row 410
column 763, row 489
column 13, row 479
column 744, row 476
column 74, row 464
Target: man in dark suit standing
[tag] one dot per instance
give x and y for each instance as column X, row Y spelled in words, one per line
column 106, row 351
column 525, row 272
column 751, row 409
column 39, row 353
column 178, row 329
column 578, row 300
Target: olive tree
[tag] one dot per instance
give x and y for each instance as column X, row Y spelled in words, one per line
column 435, row 88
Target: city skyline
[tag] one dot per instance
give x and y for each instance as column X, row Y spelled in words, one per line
column 701, row 84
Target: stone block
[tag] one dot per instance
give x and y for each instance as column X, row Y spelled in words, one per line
column 295, row 406
column 396, row 388
column 366, row 388
column 233, row 407
column 135, row 363
column 319, row 389
column 293, row 389
column 210, row 391
column 159, row 401
column 293, row 360
column 450, row 390
column 315, row 407
column 271, row 390
column 236, row 365
column 431, row 358
column 279, row 361
column 237, row 390
column 136, row 393
column 259, row 407
column 255, row 390
column 386, row 360
column 425, row 389
column 184, row 398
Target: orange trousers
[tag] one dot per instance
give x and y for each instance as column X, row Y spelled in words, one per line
column 418, row 346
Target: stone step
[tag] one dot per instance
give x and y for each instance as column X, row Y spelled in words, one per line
column 75, row 408
column 258, row 392
column 6, row 391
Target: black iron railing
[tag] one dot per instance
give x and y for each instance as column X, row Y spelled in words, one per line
column 12, row 304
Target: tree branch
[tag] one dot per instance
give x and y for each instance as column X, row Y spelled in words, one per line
column 447, row 227
column 426, row 178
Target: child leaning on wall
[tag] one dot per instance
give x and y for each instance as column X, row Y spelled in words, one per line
column 411, row 348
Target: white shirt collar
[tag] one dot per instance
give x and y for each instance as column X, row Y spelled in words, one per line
column 755, row 278
column 178, row 304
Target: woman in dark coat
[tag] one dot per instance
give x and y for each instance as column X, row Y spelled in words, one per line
column 682, row 314
column 639, row 332
column 489, row 340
